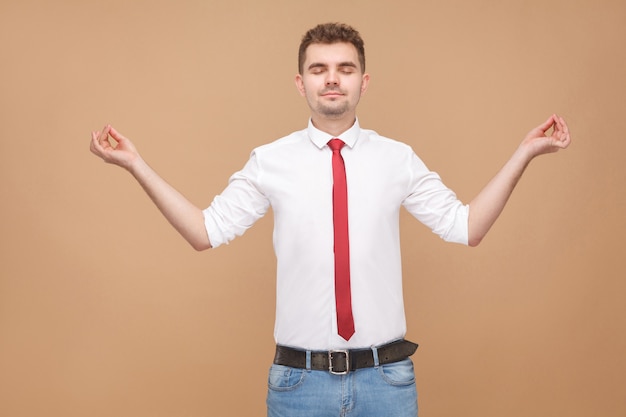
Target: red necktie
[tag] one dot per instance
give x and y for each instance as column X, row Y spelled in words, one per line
column 345, row 322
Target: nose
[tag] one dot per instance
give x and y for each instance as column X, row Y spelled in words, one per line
column 332, row 78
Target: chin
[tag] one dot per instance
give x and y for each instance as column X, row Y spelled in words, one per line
column 332, row 111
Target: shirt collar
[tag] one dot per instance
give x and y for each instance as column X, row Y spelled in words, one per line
column 320, row 138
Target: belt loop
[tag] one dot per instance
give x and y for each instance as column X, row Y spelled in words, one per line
column 308, row 360
column 375, row 354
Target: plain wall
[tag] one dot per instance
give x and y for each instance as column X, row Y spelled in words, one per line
column 106, row 311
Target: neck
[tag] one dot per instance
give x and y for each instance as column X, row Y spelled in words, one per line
column 333, row 127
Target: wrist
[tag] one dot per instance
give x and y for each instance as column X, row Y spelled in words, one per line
column 523, row 155
column 136, row 166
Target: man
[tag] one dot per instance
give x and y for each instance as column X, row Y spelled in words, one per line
column 336, row 190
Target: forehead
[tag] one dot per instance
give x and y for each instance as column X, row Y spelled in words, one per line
column 331, row 54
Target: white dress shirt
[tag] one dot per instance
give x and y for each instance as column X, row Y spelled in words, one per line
column 294, row 176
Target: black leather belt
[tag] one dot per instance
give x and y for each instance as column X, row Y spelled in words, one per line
column 341, row 362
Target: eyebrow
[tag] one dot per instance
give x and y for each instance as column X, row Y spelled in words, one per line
column 322, row 65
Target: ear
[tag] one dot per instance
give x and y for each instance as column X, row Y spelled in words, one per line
column 364, row 83
column 300, row 85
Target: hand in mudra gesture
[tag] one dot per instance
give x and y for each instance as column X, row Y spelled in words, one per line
column 538, row 141
column 113, row 148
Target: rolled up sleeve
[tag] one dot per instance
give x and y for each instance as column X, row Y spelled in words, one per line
column 435, row 205
column 238, row 207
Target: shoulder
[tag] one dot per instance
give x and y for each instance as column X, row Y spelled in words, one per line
column 373, row 138
column 285, row 143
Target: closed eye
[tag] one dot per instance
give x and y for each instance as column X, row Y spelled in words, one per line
column 347, row 67
column 317, row 68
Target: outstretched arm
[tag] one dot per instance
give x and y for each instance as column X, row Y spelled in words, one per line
column 186, row 218
column 489, row 203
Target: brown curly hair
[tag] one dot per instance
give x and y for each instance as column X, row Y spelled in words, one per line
column 328, row 33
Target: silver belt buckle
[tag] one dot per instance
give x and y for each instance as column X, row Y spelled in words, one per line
column 331, row 367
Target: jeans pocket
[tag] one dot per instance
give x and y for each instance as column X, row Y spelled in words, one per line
column 285, row 378
column 398, row 373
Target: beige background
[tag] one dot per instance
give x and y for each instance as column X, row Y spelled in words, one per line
column 105, row 311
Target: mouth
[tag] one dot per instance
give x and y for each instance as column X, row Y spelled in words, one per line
column 332, row 94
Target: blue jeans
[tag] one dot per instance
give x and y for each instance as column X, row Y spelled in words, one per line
column 382, row 391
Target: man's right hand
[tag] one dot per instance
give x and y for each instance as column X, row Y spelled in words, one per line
column 186, row 218
column 113, row 147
